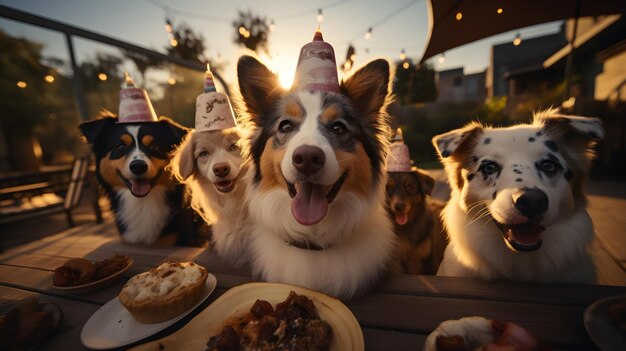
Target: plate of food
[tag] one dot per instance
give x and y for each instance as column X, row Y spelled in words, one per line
column 266, row 315
column 78, row 275
column 148, row 303
column 28, row 323
column 605, row 321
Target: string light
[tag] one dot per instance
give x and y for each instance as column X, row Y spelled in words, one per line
column 49, row 78
column 171, row 80
column 442, row 58
column 402, row 55
column 320, row 16
column 459, row 16
column 272, row 26
column 21, row 84
column 244, row 32
column 173, row 42
column 368, row 35
column 102, row 77
column 168, row 25
column 500, row 10
column 406, row 65
column 517, row 40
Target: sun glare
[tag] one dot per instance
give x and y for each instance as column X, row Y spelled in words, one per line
column 284, row 66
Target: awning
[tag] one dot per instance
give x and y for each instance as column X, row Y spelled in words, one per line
column 453, row 23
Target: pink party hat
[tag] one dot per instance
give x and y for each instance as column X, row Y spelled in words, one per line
column 399, row 159
column 213, row 109
column 135, row 105
column 317, row 69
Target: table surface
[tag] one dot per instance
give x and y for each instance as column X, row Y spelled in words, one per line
column 397, row 314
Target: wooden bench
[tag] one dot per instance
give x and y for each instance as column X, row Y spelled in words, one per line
column 35, row 194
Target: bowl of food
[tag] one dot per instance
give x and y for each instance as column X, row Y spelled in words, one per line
column 78, row 275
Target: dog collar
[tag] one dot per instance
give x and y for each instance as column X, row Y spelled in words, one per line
column 305, row 245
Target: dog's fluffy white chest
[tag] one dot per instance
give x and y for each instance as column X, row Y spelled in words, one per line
column 145, row 217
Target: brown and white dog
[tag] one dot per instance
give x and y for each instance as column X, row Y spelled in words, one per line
column 517, row 208
column 210, row 164
column 317, row 177
column 415, row 214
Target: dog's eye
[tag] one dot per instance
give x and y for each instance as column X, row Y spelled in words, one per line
column 410, row 188
column 389, row 188
column 120, row 147
column 549, row 166
column 489, row 167
column 233, row 147
column 285, row 126
column 203, row 154
column 339, row 128
column 154, row 147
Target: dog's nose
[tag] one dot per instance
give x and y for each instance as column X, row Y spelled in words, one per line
column 138, row 167
column 530, row 202
column 308, row 159
column 221, row 169
column 399, row 207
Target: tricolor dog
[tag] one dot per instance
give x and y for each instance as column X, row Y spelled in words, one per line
column 130, row 166
column 517, row 208
column 316, row 183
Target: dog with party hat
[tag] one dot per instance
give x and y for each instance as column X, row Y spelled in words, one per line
column 316, row 183
column 415, row 215
column 131, row 153
column 209, row 162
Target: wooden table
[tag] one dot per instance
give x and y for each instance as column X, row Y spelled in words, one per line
column 397, row 315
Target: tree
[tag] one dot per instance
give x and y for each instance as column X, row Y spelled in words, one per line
column 414, row 83
column 142, row 62
column 252, row 31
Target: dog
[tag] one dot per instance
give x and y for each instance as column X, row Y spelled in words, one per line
column 316, row 183
column 416, row 221
column 517, row 207
column 210, row 164
column 130, row 167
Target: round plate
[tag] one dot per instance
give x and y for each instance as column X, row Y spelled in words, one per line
column 600, row 328
column 238, row 300
column 95, row 285
column 112, row 325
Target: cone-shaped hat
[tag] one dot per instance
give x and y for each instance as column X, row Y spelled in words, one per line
column 399, row 159
column 213, row 109
column 317, row 68
column 135, row 104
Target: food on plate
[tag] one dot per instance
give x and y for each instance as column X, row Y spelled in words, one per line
column 164, row 292
column 471, row 333
column 294, row 325
column 79, row 271
column 27, row 324
column 617, row 316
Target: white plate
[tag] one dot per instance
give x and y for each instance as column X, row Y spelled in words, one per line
column 347, row 334
column 112, row 325
column 600, row 328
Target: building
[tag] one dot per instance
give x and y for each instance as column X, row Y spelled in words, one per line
column 454, row 86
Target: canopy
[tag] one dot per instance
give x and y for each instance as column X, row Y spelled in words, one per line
column 453, row 23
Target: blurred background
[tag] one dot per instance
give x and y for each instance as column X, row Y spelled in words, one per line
column 455, row 61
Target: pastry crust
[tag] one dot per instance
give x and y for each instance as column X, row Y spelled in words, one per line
column 164, row 292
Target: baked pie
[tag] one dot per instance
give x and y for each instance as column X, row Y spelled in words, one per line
column 164, row 292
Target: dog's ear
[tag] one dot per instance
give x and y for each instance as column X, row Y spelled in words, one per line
column 94, row 128
column 178, row 131
column 368, row 88
column 448, row 143
column 259, row 88
column 426, row 181
column 586, row 127
column 183, row 162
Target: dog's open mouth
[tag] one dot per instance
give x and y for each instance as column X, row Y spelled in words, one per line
column 309, row 201
column 525, row 237
column 139, row 187
column 225, row 186
column 401, row 218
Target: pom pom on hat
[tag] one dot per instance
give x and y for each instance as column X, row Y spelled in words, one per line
column 135, row 105
column 399, row 159
column 317, row 68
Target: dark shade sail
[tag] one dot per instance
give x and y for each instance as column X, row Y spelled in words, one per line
column 480, row 18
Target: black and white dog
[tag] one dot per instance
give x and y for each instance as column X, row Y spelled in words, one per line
column 130, row 166
column 517, row 208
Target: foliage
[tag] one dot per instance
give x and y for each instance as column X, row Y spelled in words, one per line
column 190, row 45
column 252, row 31
column 142, row 62
column 414, row 84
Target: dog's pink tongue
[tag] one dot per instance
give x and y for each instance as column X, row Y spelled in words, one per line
column 527, row 233
column 310, row 205
column 401, row 219
column 140, row 187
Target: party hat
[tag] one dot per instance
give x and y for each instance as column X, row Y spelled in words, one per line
column 213, row 109
column 135, row 105
column 399, row 159
column 317, row 69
